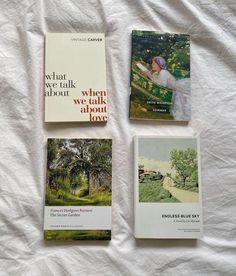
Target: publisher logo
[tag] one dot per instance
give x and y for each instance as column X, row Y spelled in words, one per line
column 77, row 39
column 90, row 39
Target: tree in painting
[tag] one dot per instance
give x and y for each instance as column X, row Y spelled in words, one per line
column 79, row 171
column 185, row 164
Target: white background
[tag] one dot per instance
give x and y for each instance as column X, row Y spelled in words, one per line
column 211, row 24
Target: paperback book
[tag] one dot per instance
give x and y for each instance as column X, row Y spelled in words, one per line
column 75, row 78
column 167, row 199
column 160, row 76
column 78, row 189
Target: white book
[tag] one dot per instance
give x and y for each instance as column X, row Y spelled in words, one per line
column 142, row 67
column 75, row 77
column 167, row 199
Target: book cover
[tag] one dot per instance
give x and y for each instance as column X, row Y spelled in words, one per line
column 167, row 190
column 160, row 76
column 78, row 189
column 75, row 78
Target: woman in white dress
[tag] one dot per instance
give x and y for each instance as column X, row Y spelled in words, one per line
column 181, row 109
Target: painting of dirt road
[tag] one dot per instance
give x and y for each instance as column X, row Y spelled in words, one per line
column 168, row 170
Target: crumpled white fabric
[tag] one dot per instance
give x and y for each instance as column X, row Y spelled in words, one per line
column 211, row 24
column 182, row 100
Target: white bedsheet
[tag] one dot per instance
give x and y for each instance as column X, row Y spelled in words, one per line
column 211, row 24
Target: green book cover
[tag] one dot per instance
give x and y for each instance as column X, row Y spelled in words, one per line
column 78, row 189
column 160, row 76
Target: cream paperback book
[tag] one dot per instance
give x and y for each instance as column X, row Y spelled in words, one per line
column 75, row 77
column 168, row 202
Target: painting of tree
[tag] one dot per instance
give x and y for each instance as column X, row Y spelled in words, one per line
column 185, row 164
column 79, row 171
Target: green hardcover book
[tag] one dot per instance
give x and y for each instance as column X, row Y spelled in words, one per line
column 78, row 189
column 160, row 76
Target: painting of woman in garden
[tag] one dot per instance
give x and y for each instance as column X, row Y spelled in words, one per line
column 164, row 62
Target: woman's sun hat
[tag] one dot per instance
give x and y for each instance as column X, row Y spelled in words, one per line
column 160, row 61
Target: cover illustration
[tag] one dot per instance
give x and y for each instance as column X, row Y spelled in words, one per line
column 160, row 76
column 78, row 189
column 167, row 188
column 75, row 78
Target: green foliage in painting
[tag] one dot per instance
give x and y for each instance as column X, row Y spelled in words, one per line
column 153, row 191
column 185, row 164
column 79, row 172
column 63, row 235
column 174, row 48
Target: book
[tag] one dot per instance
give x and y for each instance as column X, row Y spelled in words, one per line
column 167, row 200
column 160, row 76
column 78, row 192
column 75, row 77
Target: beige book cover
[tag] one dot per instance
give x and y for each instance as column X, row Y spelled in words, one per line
column 75, row 77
